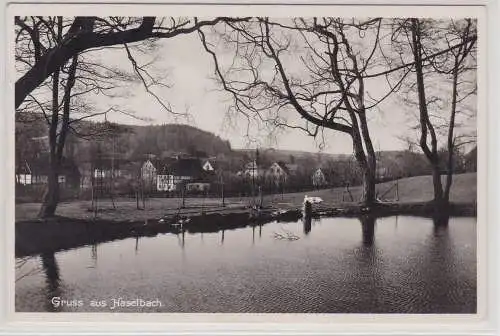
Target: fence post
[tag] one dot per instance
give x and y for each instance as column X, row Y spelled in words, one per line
column 397, row 190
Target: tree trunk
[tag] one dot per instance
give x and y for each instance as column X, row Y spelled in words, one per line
column 51, row 195
column 367, row 166
column 427, row 129
column 436, row 181
column 368, row 196
column 369, row 174
column 57, row 141
column 451, row 128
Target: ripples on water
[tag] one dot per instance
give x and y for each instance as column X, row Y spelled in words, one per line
column 338, row 265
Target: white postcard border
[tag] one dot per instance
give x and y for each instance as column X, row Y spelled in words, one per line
column 282, row 324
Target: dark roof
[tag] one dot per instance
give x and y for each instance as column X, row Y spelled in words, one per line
column 183, row 167
column 41, row 166
column 288, row 168
column 108, row 163
column 23, row 168
column 160, row 164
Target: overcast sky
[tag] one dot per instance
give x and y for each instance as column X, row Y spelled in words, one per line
column 190, row 73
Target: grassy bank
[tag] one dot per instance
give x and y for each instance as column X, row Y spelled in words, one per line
column 75, row 226
column 410, row 190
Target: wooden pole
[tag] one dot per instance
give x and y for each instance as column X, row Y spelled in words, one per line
column 261, row 196
column 92, row 193
column 397, row 190
column 222, row 190
column 142, row 195
column 137, row 198
column 113, row 172
column 183, row 191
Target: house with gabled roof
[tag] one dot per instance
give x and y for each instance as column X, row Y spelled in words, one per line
column 107, row 168
column 210, row 165
column 277, row 173
column 24, row 174
column 253, row 170
column 318, row 177
column 149, row 172
column 181, row 171
column 36, row 171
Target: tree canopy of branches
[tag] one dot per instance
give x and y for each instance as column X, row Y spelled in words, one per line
column 314, row 68
column 326, row 73
column 442, row 108
column 51, row 56
column 47, row 52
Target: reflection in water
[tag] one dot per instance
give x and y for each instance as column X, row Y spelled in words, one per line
column 307, row 225
column 368, row 228
column 93, row 254
column 136, row 244
column 427, row 267
column 438, row 269
column 52, row 279
column 440, row 224
column 182, row 238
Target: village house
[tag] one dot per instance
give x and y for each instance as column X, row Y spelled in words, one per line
column 277, row 173
column 24, row 174
column 252, row 170
column 182, row 171
column 36, row 171
column 318, row 178
column 209, row 165
column 86, row 175
column 149, row 172
column 107, row 168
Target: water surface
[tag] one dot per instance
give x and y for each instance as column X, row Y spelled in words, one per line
column 333, row 265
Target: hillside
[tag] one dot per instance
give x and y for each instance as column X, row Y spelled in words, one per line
column 130, row 142
column 168, row 139
column 288, row 155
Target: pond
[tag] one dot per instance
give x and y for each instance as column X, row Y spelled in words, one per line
column 398, row 264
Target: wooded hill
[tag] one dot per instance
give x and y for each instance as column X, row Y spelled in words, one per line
column 133, row 142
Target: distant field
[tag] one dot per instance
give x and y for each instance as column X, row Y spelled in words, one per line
column 413, row 189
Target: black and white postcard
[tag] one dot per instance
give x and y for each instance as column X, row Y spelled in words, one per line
column 238, row 160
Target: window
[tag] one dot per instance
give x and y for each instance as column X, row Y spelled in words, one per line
column 61, row 179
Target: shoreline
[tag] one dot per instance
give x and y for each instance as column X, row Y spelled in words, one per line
column 60, row 233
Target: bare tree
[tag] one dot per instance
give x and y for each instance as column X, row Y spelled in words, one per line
column 315, row 69
column 64, row 115
column 455, row 75
column 79, row 34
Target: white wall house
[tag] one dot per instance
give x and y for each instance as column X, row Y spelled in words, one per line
column 208, row 166
column 24, row 174
column 172, row 176
column 169, row 182
column 276, row 173
column 318, row 178
column 149, row 174
column 252, row 170
column 23, row 179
